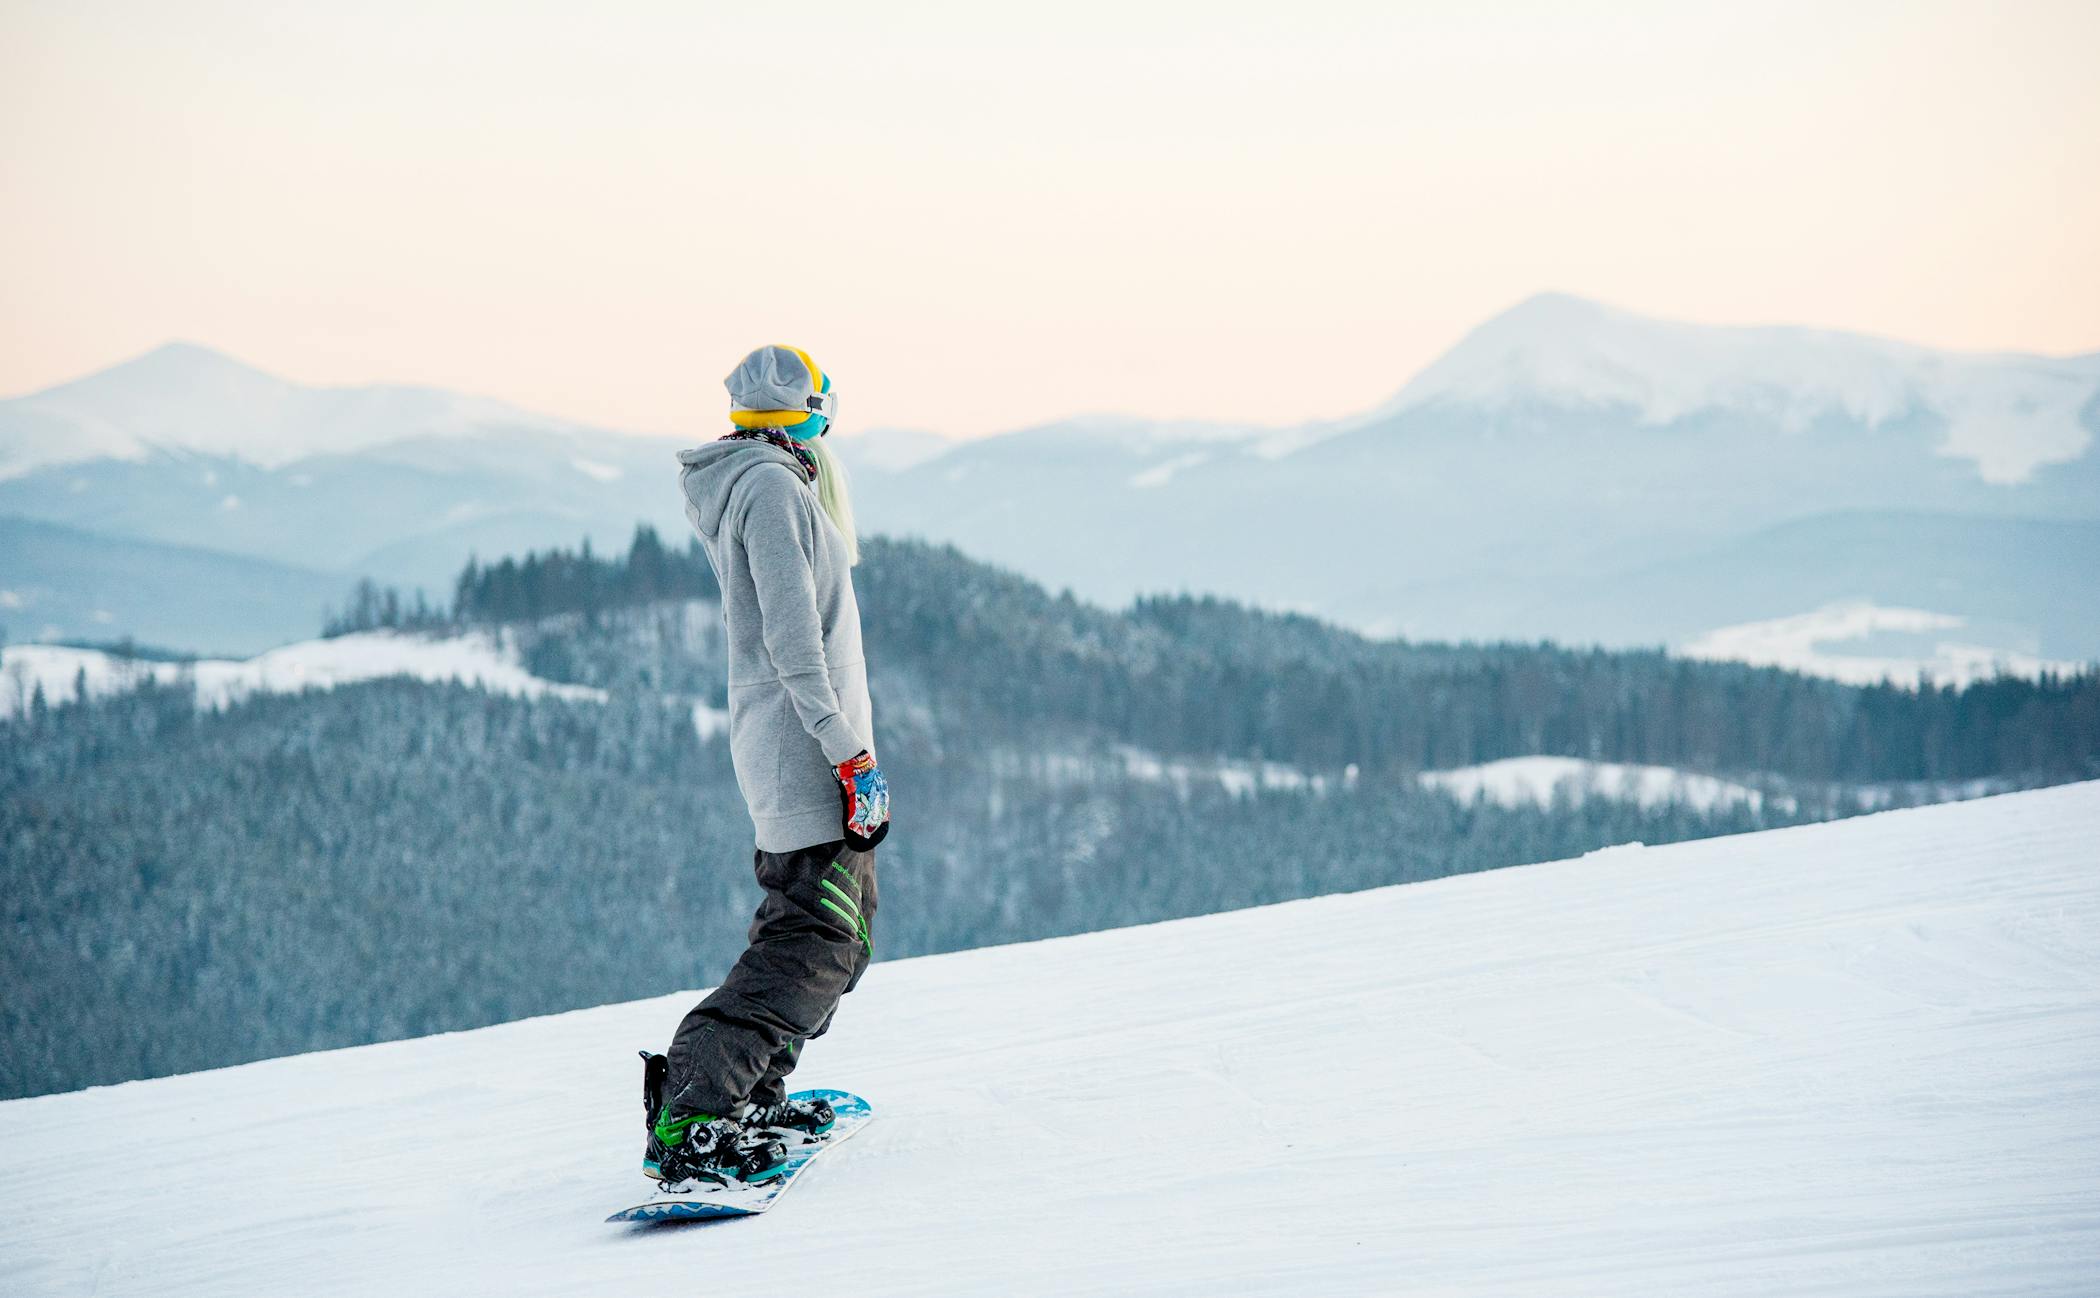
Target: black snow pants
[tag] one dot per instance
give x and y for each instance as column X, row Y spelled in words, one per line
column 810, row 943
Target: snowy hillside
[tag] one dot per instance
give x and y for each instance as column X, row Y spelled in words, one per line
column 1811, row 643
column 1860, row 1058
column 1540, row 781
column 474, row 658
column 1533, row 781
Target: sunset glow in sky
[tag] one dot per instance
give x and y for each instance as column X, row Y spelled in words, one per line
column 981, row 216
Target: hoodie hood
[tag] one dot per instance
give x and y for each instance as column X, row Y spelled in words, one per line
column 711, row 473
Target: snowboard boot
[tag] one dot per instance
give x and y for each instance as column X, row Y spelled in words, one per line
column 700, row 1146
column 655, row 1068
column 800, row 1121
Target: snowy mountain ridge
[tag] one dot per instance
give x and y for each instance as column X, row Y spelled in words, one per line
column 1568, row 471
column 2007, row 413
column 183, row 397
column 1853, row 1058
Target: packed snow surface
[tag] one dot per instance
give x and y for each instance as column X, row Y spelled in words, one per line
column 476, row 658
column 1539, row 781
column 1811, row 643
column 1860, row 1058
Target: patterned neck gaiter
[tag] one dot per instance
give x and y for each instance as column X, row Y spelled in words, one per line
column 773, row 437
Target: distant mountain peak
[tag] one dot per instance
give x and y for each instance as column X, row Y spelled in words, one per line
column 185, row 396
column 1551, row 310
column 183, row 352
column 2009, row 414
column 176, row 369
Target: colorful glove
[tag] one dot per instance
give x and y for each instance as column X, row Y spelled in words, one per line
column 867, row 799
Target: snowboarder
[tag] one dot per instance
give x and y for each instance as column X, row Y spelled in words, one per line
column 769, row 502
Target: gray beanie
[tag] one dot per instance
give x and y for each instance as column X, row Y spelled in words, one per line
column 777, row 380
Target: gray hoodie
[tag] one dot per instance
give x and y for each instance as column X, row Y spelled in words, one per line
column 798, row 684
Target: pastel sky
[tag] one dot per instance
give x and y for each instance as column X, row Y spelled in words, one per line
column 979, row 216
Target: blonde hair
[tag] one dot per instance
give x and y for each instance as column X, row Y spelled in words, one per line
column 833, row 495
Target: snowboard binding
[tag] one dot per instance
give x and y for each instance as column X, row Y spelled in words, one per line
column 798, row 1120
column 700, row 1148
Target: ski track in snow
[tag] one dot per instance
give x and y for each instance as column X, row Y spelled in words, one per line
column 1858, row 1058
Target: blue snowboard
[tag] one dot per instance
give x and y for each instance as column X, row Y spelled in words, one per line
column 703, row 1201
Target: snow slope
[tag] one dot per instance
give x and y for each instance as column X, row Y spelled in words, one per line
column 1538, row 781
column 1860, row 1058
column 475, row 658
column 1808, row 643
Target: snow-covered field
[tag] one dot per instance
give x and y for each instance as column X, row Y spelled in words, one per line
column 1539, row 781
column 1236, row 776
column 1811, row 643
column 475, row 658
column 1860, row 1058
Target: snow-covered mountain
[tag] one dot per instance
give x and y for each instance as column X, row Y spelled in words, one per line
column 1568, row 470
column 2007, row 415
column 1567, row 458
column 185, row 447
column 1853, row 1058
column 185, row 398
